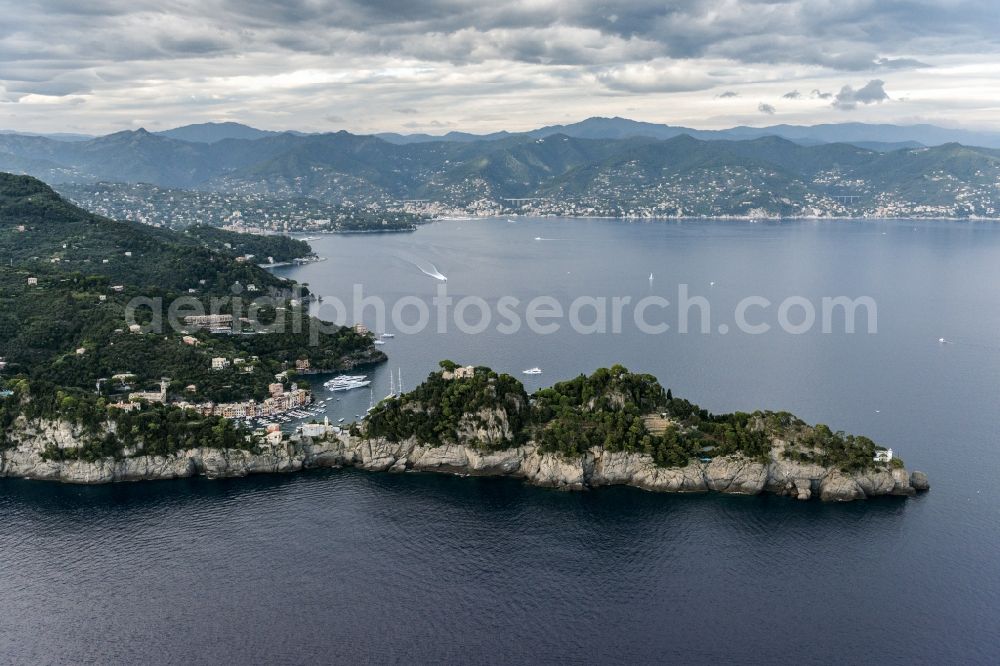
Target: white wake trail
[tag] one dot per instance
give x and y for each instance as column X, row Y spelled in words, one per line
column 434, row 273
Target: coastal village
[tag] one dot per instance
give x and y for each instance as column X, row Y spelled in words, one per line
column 279, row 402
column 287, row 401
column 625, row 190
column 239, row 211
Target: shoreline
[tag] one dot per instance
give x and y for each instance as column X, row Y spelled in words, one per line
column 350, row 232
column 708, row 218
column 629, row 218
column 301, row 261
column 735, row 475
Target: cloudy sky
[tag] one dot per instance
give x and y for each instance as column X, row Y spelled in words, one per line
column 411, row 66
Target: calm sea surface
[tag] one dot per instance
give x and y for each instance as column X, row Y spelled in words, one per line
column 346, row 566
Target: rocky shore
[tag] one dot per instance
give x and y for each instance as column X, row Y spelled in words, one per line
column 733, row 475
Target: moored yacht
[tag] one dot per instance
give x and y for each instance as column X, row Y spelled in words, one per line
column 346, row 382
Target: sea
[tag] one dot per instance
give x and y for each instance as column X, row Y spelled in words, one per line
column 345, row 566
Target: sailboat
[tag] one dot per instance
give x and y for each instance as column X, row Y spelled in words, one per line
column 392, row 387
column 395, row 386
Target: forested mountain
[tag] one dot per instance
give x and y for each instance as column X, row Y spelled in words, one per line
column 864, row 134
column 42, row 232
column 563, row 174
column 67, row 277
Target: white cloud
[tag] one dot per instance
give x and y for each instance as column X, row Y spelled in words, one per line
column 656, row 76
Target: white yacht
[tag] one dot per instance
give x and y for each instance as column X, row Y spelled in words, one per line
column 347, row 382
column 532, row 371
column 388, row 335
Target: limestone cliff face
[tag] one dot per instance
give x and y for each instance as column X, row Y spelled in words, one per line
column 733, row 475
column 488, row 426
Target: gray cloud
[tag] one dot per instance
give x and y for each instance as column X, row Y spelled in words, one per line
column 900, row 63
column 846, row 37
column 53, row 88
column 285, row 58
column 766, row 108
column 794, row 94
column 872, row 92
column 729, row 94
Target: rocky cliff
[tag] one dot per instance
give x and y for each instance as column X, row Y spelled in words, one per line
column 597, row 467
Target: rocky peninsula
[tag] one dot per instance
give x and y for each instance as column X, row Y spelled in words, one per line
column 546, row 440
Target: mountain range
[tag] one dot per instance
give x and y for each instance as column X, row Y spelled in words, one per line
column 623, row 175
column 873, row 136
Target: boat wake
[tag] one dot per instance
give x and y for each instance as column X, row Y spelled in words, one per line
column 433, row 272
column 427, row 268
column 539, row 238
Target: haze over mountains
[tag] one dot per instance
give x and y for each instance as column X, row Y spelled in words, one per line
column 879, row 137
column 875, row 136
column 598, row 167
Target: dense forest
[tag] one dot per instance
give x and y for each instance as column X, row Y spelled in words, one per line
column 439, row 408
column 40, row 231
column 613, row 409
column 66, row 346
column 270, row 248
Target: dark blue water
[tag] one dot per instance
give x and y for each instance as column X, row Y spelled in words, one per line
column 348, row 566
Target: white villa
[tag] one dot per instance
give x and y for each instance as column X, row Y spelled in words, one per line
column 883, row 456
column 461, row 372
